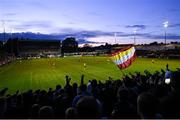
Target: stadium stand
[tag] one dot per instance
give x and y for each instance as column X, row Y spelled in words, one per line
column 33, row 48
column 135, row 96
column 7, row 59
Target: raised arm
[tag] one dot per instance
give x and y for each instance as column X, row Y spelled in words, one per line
column 68, row 79
column 82, row 79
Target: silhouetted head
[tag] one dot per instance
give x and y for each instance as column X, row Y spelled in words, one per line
column 75, row 85
column 122, row 94
column 46, row 112
column 50, row 89
column 147, row 105
column 34, row 111
column 58, row 87
column 94, row 83
column 71, row 113
column 88, row 107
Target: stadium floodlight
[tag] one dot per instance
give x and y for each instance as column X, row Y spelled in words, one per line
column 165, row 24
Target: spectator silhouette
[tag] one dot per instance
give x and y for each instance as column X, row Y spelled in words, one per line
column 3, row 107
column 88, row 107
column 34, row 111
column 71, row 113
column 171, row 104
column 46, row 112
column 82, row 91
column 147, row 106
column 135, row 94
column 123, row 109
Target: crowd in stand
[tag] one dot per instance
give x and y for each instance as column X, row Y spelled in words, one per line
column 135, row 96
column 6, row 60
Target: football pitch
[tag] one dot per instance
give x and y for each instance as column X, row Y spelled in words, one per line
column 48, row 72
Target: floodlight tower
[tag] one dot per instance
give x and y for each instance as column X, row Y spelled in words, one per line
column 12, row 30
column 3, row 24
column 134, row 36
column 165, row 28
column 115, row 38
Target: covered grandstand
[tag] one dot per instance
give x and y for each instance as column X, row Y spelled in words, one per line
column 34, row 48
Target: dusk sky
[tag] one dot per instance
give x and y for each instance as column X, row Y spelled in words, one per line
column 94, row 20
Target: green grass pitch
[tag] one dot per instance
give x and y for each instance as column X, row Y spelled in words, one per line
column 48, row 72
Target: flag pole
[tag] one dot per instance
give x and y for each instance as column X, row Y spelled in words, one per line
column 122, row 72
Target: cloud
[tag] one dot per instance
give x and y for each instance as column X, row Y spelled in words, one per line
column 94, row 14
column 11, row 20
column 36, row 3
column 71, row 23
column 174, row 10
column 32, row 24
column 136, row 26
column 174, row 37
column 83, row 41
column 156, row 37
column 9, row 14
column 85, row 34
column 175, row 25
column 170, row 36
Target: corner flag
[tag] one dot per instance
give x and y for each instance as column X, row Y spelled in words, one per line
column 123, row 58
